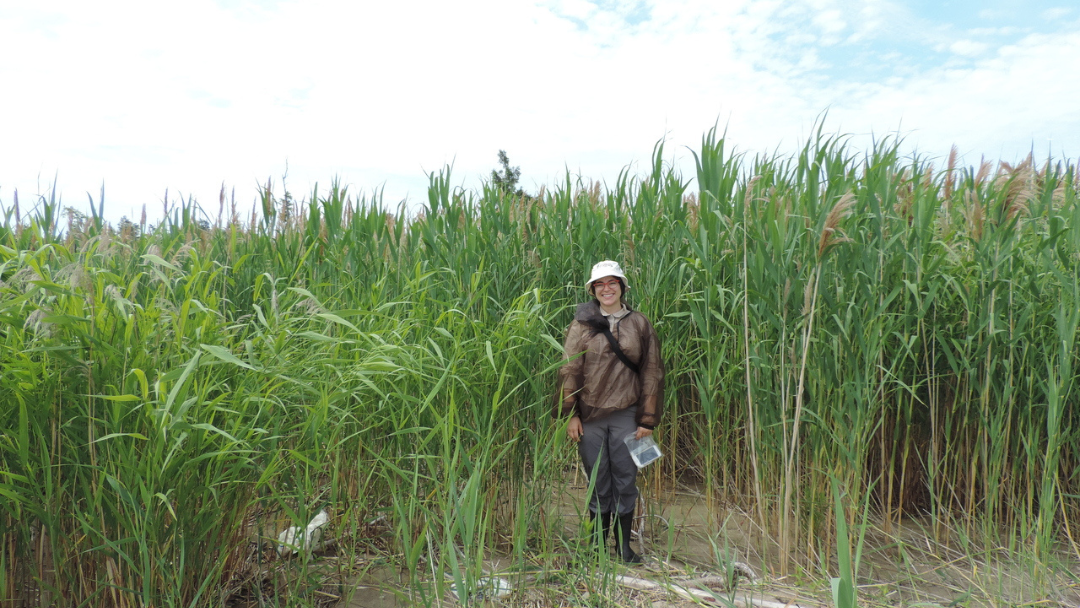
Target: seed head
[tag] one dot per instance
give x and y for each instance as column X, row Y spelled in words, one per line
column 949, row 177
column 832, row 222
column 35, row 322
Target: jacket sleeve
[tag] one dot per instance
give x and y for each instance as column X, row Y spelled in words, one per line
column 572, row 372
column 651, row 405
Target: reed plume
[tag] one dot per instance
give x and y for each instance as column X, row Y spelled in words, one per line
column 830, row 233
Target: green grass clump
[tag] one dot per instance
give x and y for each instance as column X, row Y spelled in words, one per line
column 847, row 335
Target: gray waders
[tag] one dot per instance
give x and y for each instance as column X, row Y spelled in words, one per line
column 614, row 494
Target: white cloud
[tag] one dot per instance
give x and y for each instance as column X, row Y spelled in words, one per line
column 994, row 31
column 968, row 48
column 1019, row 98
column 1053, row 14
column 830, row 21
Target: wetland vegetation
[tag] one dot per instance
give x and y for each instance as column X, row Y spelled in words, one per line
column 872, row 365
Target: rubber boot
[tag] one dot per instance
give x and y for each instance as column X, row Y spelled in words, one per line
column 626, row 522
column 605, row 522
column 605, row 528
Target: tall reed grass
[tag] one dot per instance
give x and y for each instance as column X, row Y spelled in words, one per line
column 834, row 322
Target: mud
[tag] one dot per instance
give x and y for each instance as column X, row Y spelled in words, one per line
column 686, row 537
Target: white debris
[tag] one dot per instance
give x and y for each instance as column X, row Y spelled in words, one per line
column 493, row 587
column 297, row 539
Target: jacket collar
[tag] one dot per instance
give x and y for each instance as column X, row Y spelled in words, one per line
column 589, row 313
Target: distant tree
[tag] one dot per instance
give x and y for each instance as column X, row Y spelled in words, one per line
column 77, row 226
column 506, row 180
column 76, row 220
column 129, row 230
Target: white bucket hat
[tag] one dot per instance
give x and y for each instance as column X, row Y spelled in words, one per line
column 607, row 268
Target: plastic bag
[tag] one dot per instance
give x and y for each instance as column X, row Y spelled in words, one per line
column 643, row 451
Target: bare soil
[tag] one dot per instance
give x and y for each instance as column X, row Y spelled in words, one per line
column 693, row 542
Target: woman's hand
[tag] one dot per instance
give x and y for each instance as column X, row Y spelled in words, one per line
column 642, row 432
column 574, row 429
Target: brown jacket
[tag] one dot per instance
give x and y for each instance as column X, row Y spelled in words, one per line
column 597, row 383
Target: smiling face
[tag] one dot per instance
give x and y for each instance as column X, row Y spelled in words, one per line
column 608, row 290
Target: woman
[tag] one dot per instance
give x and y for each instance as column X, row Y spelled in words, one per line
column 611, row 393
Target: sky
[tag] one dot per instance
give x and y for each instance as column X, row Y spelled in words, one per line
column 143, row 98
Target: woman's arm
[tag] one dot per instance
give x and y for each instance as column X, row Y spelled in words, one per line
column 572, row 372
column 651, row 406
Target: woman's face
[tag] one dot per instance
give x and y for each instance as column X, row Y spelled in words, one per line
column 608, row 290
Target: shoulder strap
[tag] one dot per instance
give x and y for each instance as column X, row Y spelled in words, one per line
column 619, row 353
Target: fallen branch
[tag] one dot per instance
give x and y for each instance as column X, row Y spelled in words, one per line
column 745, row 570
column 699, row 595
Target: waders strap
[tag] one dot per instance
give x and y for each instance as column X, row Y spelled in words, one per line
column 619, row 353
